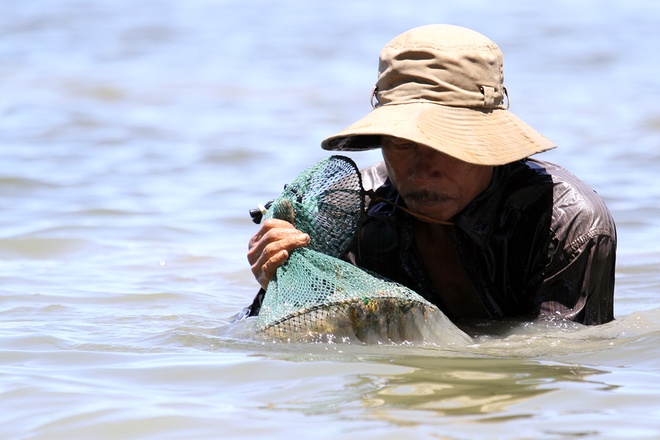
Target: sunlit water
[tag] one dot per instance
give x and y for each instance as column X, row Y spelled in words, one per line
column 135, row 137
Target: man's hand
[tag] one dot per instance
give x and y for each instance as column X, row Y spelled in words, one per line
column 270, row 247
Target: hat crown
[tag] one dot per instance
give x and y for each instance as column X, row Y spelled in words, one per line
column 443, row 64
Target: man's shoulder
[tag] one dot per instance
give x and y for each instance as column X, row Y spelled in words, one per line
column 569, row 191
column 567, row 188
column 577, row 209
column 374, row 176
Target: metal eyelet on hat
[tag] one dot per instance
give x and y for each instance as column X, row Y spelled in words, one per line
column 373, row 95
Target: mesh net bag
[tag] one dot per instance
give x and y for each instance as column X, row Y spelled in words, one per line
column 317, row 296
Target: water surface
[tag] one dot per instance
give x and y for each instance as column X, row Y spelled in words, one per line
column 135, row 136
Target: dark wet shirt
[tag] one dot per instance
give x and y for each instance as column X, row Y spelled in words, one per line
column 537, row 242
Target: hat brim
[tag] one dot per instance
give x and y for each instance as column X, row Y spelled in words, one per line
column 478, row 136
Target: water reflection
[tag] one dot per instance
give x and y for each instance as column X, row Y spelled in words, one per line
column 414, row 385
column 469, row 387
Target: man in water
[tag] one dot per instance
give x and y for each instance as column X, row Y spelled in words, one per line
column 461, row 214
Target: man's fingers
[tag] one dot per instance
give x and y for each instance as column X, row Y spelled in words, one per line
column 267, row 271
column 268, row 225
column 273, row 241
column 270, row 247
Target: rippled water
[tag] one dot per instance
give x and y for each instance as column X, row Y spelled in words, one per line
column 134, row 138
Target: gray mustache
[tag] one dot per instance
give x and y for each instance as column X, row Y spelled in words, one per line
column 426, row 196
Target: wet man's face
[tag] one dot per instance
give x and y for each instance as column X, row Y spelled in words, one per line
column 430, row 182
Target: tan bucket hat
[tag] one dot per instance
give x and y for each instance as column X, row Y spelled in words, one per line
column 442, row 86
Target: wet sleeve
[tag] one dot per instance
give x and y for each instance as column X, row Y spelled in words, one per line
column 580, row 285
column 254, row 308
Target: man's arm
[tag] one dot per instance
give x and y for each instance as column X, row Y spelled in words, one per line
column 580, row 285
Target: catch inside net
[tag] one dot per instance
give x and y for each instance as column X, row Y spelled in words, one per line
column 318, row 296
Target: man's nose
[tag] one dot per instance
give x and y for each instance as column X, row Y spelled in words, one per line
column 429, row 164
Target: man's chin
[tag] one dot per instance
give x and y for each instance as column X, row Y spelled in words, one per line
column 440, row 211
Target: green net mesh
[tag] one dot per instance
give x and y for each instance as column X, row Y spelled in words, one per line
column 317, row 296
